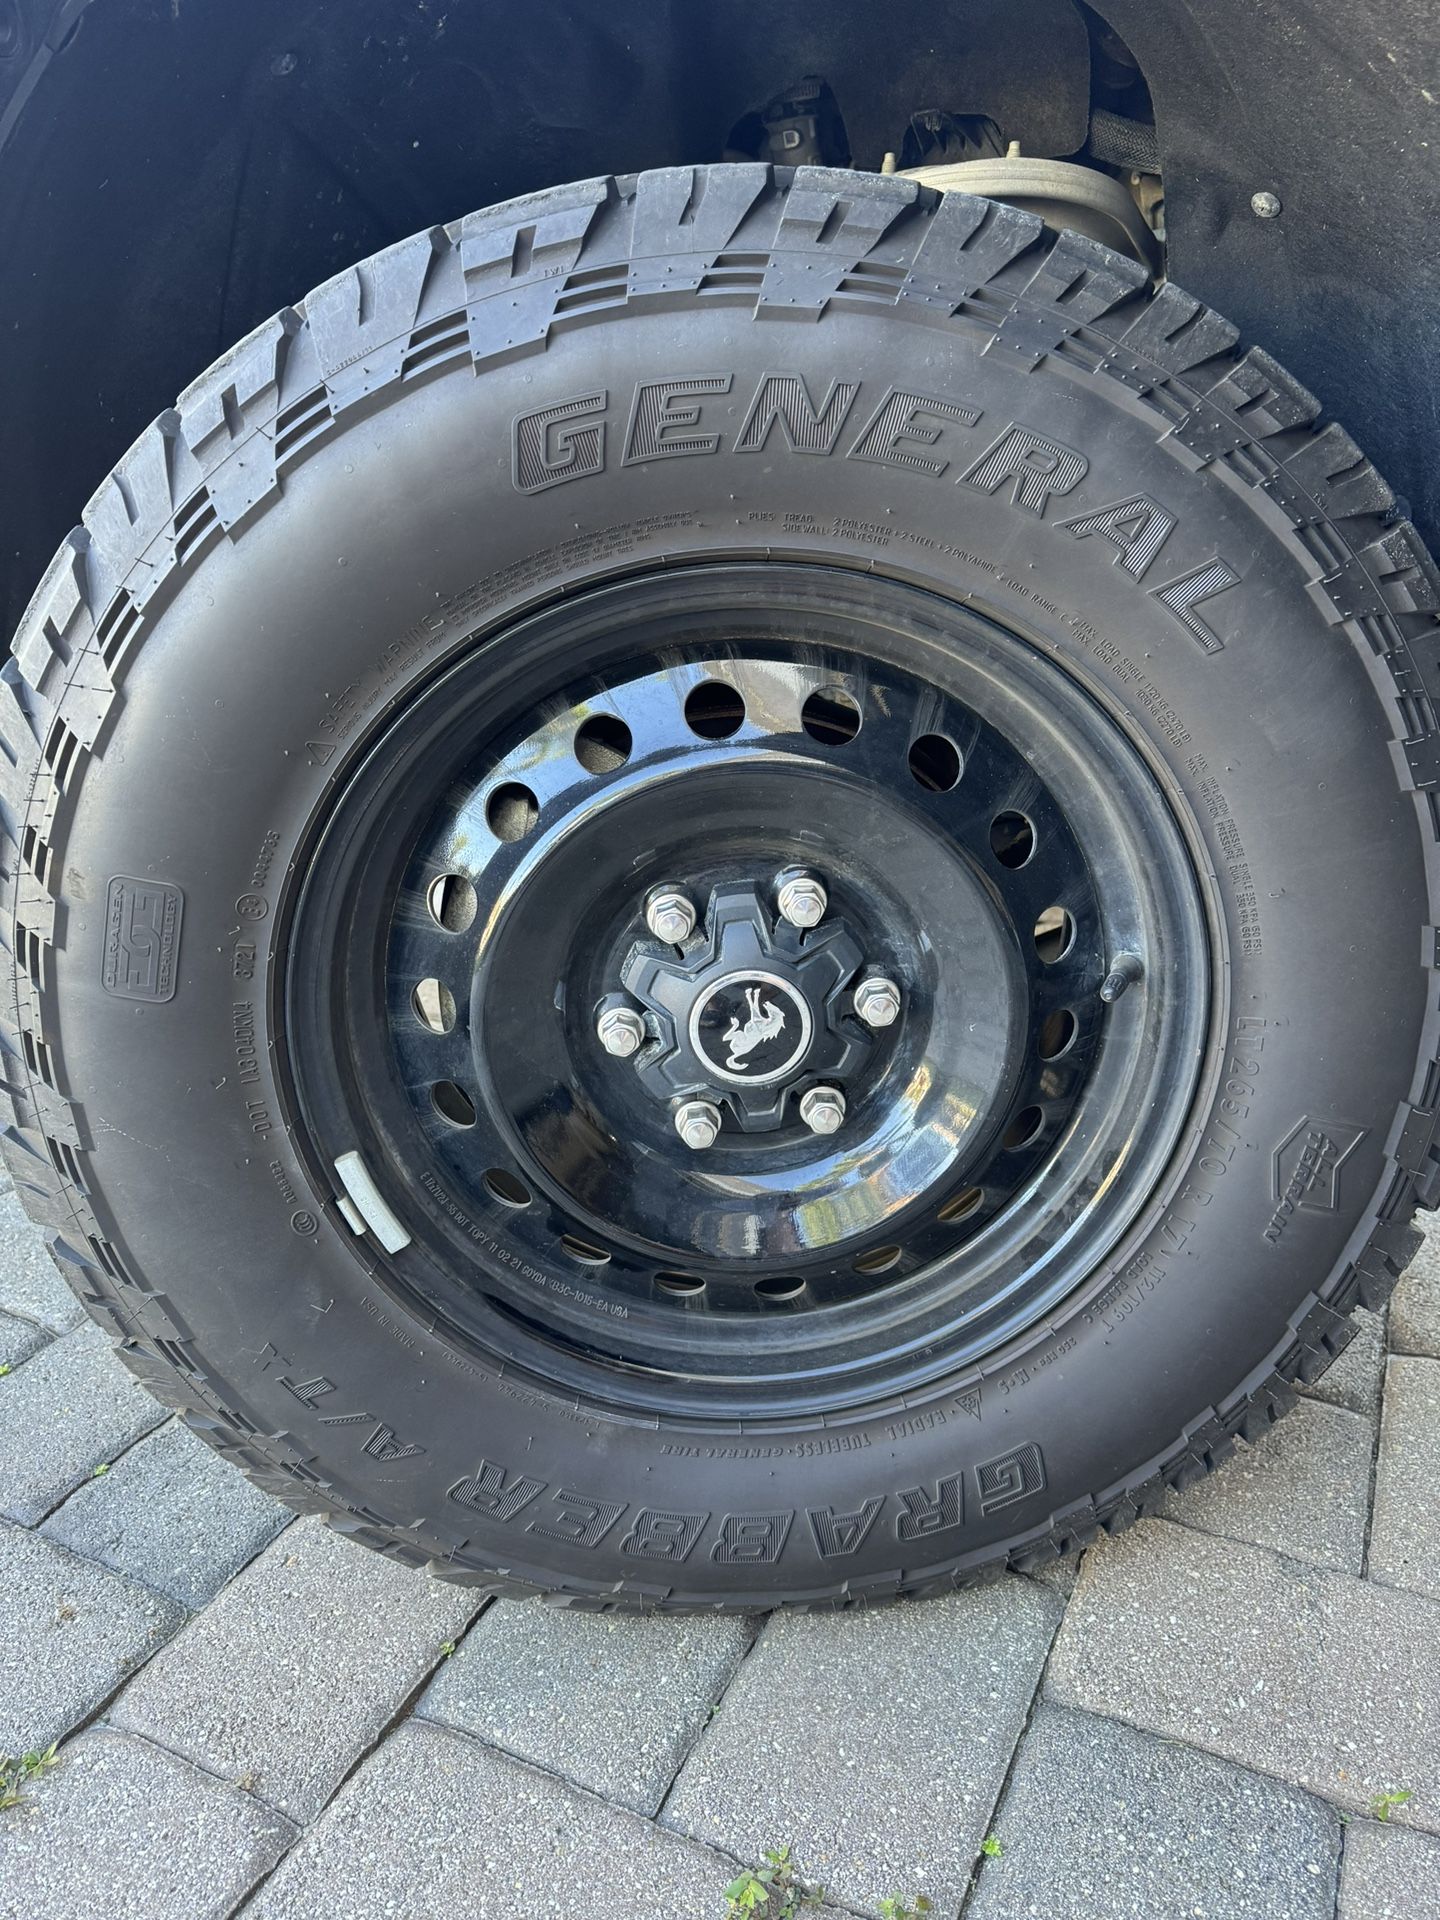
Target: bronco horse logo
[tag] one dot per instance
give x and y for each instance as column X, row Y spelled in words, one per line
column 760, row 1026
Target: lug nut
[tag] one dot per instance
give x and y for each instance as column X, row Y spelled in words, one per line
column 823, row 1109
column 698, row 1124
column 670, row 915
column 621, row 1031
column 877, row 1001
column 802, row 900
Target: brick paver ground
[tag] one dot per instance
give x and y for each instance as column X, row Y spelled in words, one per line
column 258, row 1719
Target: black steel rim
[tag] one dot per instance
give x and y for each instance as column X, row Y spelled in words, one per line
column 988, row 840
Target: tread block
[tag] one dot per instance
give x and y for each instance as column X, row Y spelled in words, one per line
column 1340, row 481
column 688, row 211
column 132, row 514
column 1408, row 580
column 34, row 909
column 1088, row 278
column 1078, row 280
column 1323, row 1335
column 58, row 623
column 952, row 223
column 841, row 213
column 830, row 222
column 360, row 321
column 967, row 242
column 1350, row 591
column 1392, row 1247
column 225, row 414
column 1176, row 333
column 526, row 259
column 88, row 699
column 1414, row 1145
column 1208, row 433
column 1416, row 667
column 1418, row 760
column 1263, row 396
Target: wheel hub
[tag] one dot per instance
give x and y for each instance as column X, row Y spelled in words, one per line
column 748, row 1011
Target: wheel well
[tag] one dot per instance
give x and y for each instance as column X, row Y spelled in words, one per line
column 172, row 171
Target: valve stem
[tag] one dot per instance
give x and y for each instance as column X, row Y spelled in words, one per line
column 1125, row 970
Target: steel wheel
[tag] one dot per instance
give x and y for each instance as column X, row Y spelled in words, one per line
column 788, row 954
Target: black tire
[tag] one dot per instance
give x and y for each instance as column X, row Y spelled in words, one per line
column 347, row 499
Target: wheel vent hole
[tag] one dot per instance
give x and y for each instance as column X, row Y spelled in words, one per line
column 452, row 902
column 1012, row 839
column 681, row 1284
column 878, row 1260
column 714, row 710
column 506, row 1187
column 582, row 1251
column 935, row 762
column 511, row 811
column 434, row 1006
column 779, row 1286
column 1054, row 935
column 1023, row 1129
column 961, row 1205
column 1057, row 1034
column 830, row 716
column 603, row 743
column 452, row 1103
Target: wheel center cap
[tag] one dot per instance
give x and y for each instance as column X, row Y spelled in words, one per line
column 747, row 1008
column 751, row 1028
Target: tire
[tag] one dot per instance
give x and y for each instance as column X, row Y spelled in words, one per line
column 924, row 398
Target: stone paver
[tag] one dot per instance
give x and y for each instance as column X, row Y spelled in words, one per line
column 297, row 1666
column 72, row 1633
column 874, row 1744
column 1104, row 1823
column 30, row 1282
column 1330, row 1682
column 63, row 1413
column 1390, row 1873
column 172, row 1513
column 611, row 1702
column 1304, row 1489
column 120, row 1830
column 1354, row 1380
column 18, row 1340
column 1223, row 1682
column 1415, row 1304
column 1405, row 1532
column 435, row 1824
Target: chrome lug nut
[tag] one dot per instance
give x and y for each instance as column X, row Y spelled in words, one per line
column 823, row 1109
column 670, row 915
column 621, row 1031
column 877, row 1001
column 698, row 1124
column 802, row 900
